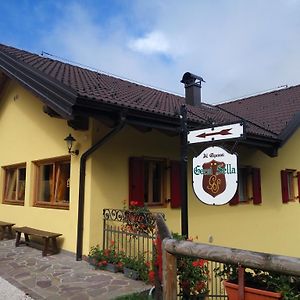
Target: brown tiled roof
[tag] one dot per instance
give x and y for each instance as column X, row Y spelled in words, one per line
column 97, row 88
column 273, row 110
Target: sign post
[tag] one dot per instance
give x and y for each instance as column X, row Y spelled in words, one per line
column 215, row 176
column 183, row 170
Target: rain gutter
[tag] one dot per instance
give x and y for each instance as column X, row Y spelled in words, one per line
column 83, row 160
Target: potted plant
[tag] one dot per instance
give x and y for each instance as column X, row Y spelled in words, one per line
column 260, row 285
column 106, row 259
column 138, row 219
column 136, row 267
column 193, row 276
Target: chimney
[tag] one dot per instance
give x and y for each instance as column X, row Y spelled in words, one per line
column 192, row 85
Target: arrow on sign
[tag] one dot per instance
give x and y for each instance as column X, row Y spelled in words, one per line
column 222, row 132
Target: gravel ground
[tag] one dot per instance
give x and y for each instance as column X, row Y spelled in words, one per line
column 10, row 292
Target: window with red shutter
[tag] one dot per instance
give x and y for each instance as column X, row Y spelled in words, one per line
column 147, row 180
column 136, row 180
column 175, row 184
column 256, row 186
column 249, row 187
column 298, row 184
column 287, row 185
column 236, row 199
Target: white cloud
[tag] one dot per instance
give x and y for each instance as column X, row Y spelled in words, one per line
column 151, row 43
column 238, row 47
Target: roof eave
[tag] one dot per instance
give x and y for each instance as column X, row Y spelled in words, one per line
column 50, row 91
column 290, row 129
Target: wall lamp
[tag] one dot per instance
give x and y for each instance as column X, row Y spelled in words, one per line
column 70, row 140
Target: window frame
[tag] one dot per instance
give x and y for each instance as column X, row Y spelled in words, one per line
column 163, row 181
column 52, row 203
column 244, row 174
column 289, row 184
column 5, row 179
column 251, row 186
column 137, row 178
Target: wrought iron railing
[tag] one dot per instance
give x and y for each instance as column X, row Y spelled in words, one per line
column 130, row 231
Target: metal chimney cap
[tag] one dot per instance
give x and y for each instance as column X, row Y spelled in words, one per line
column 190, row 78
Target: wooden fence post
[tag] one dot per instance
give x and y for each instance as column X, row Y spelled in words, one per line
column 169, row 274
column 241, row 282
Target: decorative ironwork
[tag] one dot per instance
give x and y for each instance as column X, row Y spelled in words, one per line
column 131, row 217
column 131, row 231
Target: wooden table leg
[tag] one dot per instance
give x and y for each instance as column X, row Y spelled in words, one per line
column 10, row 234
column 46, row 247
column 18, row 239
column 26, row 239
column 1, row 233
column 54, row 245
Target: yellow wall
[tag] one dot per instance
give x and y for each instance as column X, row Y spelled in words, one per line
column 110, row 170
column 269, row 227
column 28, row 134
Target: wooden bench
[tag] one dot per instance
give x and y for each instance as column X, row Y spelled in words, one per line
column 45, row 235
column 6, row 230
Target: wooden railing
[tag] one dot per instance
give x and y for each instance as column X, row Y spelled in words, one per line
column 173, row 248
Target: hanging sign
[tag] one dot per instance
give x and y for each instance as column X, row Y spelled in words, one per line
column 215, row 176
column 224, row 132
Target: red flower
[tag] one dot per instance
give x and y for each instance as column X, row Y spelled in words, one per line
column 104, row 262
column 200, row 285
column 195, row 263
column 199, row 263
column 185, row 284
column 151, row 276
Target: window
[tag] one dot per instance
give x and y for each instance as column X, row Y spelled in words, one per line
column 147, row 180
column 53, row 183
column 14, row 184
column 249, row 186
column 290, row 181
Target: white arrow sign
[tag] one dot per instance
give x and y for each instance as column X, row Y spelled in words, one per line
column 216, row 133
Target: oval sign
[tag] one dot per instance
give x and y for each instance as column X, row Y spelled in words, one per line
column 215, row 176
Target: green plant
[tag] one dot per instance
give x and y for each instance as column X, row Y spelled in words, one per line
column 138, row 219
column 192, row 273
column 137, row 264
column 288, row 286
column 101, row 257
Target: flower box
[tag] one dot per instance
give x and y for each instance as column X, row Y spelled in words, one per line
column 112, row 268
column 232, row 291
column 195, row 297
column 131, row 273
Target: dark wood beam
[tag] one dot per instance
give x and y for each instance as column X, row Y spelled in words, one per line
column 79, row 123
column 3, row 80
column 51, row 112
column 142, row 128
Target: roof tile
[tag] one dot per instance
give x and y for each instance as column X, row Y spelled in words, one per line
column 271, row 112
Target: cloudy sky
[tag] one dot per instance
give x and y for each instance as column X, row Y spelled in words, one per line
column 239, row 47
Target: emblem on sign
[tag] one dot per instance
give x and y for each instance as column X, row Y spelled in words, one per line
column 215, row 176
column 215, row 183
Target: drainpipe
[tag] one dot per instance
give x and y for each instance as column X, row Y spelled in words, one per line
column 83, row 160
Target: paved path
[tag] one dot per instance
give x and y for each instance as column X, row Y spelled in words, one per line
column 60, row 276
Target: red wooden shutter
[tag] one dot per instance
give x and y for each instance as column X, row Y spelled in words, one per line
column 256, row 186
column 175, row 184
column 284, row 186
column 298, row 180
column 136, row 180
column 236, row 199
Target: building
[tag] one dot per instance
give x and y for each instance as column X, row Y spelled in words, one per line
column 128, row 139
